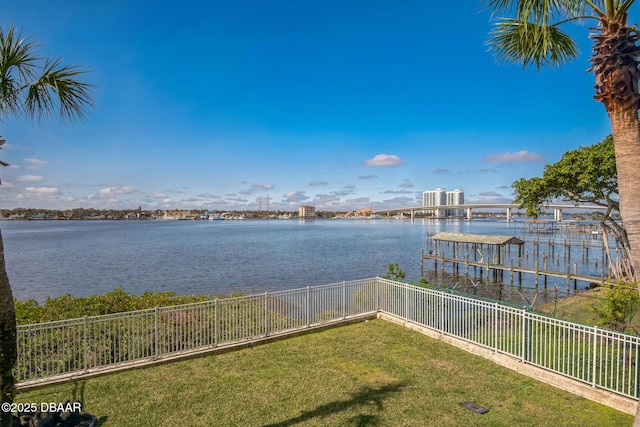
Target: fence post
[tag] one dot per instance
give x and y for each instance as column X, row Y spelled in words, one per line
column 406, row 302
column 156, row 328
column 266, row 314
column 595, row 362
column 495, row 327
column 524, row 335
column 377, row 294
column 215, row 322
column 308, row 307
column 18, row 356
column 637, row 368
column 344, row 299
column 84, row 342
column 442, row 295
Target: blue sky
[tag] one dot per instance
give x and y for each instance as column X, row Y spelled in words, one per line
column 338, row 104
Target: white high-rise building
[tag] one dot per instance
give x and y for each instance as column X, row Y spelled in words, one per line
column 437, row 197
column 441, row 197
column 455, row 197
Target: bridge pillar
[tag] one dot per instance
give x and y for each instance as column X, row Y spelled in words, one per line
column 469, row 213
column 509, row 214
column 413, row 215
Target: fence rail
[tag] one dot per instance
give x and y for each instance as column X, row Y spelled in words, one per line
column 601, row 358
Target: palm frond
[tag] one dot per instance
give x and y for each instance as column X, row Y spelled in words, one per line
column 502, row 6
column 58, row 87
column 545, row 12
column 624, row 7
column 38, row 87
column 5, row 164
column 527, row 43
column 580, row 8
column 17, row 66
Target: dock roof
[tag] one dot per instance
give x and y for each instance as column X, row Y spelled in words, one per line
column 478, row 238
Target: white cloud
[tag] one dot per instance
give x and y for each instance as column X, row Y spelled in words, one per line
column 208, row 196
column 520, row 156
column 30, row 178
column 325, row 199
column 346, row 191
column 42, row 190
column 317, row 183
column 262, row 186
column 396, row 202
column 39, row 193
column 257, row 188
column 294, row 197
column 33, row 163
column 489, row 194
column 384, row 160
column 488, row 197
column 115, row 190
column 397, row 192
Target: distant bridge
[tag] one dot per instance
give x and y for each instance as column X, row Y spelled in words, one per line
column 437, row 210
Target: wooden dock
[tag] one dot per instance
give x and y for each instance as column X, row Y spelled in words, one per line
column 498, row 270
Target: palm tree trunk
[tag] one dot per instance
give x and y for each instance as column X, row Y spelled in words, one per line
column 615, row 64
column 626, row 138
column 8, row 349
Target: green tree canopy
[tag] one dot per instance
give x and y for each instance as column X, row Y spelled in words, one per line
column 585, row 175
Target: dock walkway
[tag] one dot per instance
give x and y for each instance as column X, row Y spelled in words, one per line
column 499, row 269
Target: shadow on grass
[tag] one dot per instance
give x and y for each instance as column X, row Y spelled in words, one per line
column 78, row 395
column 367, row 397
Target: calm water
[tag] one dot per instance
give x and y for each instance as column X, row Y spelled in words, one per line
column 51, row 258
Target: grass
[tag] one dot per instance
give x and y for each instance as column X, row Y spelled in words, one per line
column 575, row 308
column 578, row 308
column 367, row 374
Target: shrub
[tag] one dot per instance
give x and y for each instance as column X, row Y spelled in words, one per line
column 618, row 306
column 116, row 301
column 394, row 272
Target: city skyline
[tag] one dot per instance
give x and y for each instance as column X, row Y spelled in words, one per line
column 342, row 106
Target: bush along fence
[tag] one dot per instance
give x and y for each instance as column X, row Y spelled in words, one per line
column 55, row 351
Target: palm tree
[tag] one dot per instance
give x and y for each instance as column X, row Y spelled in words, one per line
column 530, row 33
column 35, row 88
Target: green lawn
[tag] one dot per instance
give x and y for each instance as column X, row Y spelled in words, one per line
column 367, row 374
column 577, row 308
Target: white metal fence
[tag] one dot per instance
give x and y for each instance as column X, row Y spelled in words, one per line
column 601, row 358
column 604, row 359
column 79, row 346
